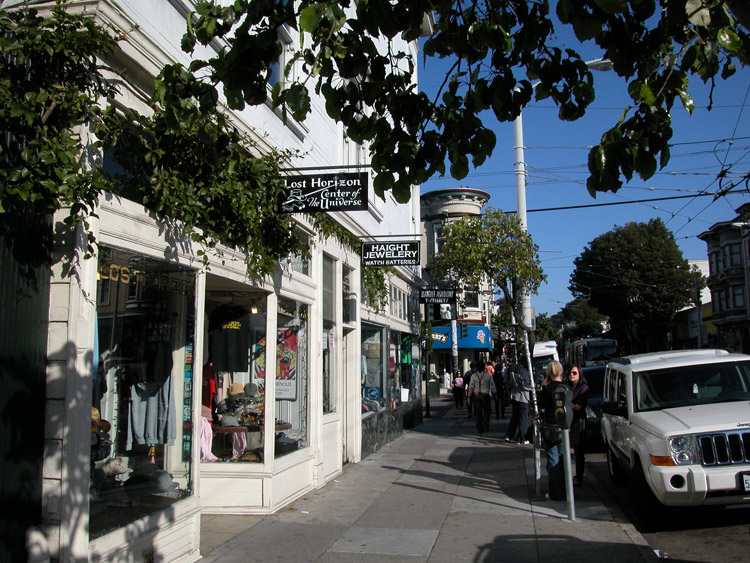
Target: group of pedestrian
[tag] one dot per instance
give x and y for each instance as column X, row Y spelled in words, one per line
column 485, row 383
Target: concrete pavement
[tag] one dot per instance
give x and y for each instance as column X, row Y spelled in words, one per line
column 438, row 493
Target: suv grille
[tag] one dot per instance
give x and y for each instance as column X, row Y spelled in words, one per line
column 725, row 448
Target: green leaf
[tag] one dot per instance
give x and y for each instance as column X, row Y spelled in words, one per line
column 309, row 18
column 698, row 13
column 729, row 40
column 687, row 100
column 459, row 166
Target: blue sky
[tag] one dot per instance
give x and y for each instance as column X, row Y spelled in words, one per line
column 556, row 154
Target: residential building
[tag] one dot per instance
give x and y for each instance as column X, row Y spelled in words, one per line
column 728, row 246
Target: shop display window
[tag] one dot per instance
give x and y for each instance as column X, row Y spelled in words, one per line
column 374, row 396
column 142, row 404
column 292, row 372
column 234, row 383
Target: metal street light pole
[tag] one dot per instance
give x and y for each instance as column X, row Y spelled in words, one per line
column 520, row 173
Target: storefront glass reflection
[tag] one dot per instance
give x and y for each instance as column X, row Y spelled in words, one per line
column 141, row 414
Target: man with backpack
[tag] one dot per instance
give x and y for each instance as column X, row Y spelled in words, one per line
column 481, row 391
column 467, row 382
column 518, row 382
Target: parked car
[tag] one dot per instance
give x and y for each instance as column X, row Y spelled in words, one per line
column 678, row 424
column 592, row 434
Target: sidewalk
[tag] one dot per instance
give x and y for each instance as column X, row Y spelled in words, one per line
column 438, row 493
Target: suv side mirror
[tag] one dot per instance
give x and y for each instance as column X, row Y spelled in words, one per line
column 614, row 408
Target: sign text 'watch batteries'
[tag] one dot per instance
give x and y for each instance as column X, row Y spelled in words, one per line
column 401, row 253
column 321, row 193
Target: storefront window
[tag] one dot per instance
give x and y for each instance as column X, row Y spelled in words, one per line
column 291, row 377
column 373, row 350
column 141, row 414
column 394, row 369
column 234, row 383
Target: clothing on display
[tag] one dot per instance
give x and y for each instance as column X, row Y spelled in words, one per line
column 229, row 329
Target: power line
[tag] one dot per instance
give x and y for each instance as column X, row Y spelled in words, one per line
column 583, row 206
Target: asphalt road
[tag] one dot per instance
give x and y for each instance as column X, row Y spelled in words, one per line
column 701, row 534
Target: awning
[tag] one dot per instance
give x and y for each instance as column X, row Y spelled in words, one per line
column 477, row 338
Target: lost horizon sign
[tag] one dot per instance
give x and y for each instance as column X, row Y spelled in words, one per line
column 403, row 253
column 321, row 193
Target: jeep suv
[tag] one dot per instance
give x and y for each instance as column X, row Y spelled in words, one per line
column 678, row 423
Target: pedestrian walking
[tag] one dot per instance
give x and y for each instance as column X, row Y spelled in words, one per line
column 458, row 390
column 499, row 398
column 518, row 381
column 467, row 382
column 481, row 391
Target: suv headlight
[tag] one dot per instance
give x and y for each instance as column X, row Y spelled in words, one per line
column 684, row 449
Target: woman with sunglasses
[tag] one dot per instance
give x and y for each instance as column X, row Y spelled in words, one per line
column 580, row 391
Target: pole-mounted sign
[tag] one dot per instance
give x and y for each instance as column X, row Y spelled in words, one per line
column 321, row 193
column 437, row 296
column 397, row 253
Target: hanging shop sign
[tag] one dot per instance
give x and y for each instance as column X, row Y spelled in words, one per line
column 403, row 253
column 437, row 296
column 321, row 193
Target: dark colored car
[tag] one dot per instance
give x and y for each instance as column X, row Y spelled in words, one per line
column 592, row 435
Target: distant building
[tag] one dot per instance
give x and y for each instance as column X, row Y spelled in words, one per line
column 473, row 313
column 728, row 248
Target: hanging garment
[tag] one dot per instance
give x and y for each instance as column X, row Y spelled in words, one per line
column 207, row 439
column 239, row 443
column 229, row 329
column 152, row 414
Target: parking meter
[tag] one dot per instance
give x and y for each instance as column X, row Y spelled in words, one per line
column 563, row 410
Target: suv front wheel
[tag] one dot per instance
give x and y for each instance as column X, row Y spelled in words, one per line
column 649, row 511
column 616, row 472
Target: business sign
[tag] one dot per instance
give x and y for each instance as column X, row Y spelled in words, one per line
column 437, row 296
column 404, row 253
column 440, row 337
column 321, row 193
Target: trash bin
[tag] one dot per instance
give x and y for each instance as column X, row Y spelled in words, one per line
column 433, row 388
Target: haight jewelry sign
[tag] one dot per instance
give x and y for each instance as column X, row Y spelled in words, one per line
column 321, row 193
column 402, row 253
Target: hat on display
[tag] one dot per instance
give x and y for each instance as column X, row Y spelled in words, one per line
column 251, row 389
column 226, row 405
column 236, row 390
column 155, row 481
column 98, row 424
column 229, row 420
column 115, row 466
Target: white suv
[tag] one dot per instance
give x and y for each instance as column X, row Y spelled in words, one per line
column 679, row 423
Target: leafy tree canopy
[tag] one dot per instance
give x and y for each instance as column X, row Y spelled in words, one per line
column 581, row 320
column 492, row 246
column 497, row 50
column 545, row 329
column 637, row 276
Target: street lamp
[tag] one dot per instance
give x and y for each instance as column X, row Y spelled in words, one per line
column 520, row 172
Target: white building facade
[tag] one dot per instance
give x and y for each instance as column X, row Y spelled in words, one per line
column 174, row 390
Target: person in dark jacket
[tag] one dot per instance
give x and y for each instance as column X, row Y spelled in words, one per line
column 467, row 382
column 580, row 396
column 553, row 449
column 518, row 381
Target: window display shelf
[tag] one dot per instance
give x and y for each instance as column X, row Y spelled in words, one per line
column 249, row 428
